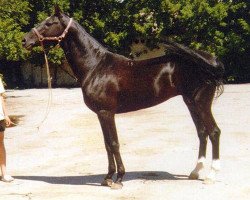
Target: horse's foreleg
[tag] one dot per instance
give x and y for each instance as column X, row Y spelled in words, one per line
column 107, row 122
column 108, row 181
column 111, row 162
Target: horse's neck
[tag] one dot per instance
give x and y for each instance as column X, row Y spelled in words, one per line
column 82, row 51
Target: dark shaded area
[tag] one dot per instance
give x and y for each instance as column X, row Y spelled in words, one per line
column 12, row 74
column 98, row 178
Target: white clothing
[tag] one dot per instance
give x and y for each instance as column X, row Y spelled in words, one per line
column 2, row 90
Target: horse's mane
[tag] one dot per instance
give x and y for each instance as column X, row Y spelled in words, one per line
column 95, row 44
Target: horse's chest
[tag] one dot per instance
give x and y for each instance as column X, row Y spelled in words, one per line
column 100, row 93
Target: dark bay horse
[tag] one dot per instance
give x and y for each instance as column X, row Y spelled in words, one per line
column 112, row 84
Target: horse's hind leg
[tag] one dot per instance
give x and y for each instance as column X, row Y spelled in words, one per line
column 200, row 109
column 107, row 122
column 214, row 137
column 202, row 134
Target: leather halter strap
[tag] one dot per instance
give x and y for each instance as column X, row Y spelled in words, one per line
column 59, row 38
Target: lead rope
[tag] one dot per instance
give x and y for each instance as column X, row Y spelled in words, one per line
column 41, row 39
column 49, row 102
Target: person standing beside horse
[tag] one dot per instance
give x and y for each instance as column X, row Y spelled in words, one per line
column 4, row 121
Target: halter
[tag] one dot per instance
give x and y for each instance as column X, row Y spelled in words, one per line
column 59, row 38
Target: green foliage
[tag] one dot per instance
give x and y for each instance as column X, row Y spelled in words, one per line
column 13, row 15
column 56, row 55
column 218, row 26
column 16, row 10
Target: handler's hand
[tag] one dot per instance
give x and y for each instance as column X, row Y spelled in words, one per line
column 8, row 121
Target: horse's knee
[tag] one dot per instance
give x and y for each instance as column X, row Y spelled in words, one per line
column 202, row 133
column 115, row 147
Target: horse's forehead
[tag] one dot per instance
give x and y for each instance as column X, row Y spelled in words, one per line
column 43, row 22
column 49, row 19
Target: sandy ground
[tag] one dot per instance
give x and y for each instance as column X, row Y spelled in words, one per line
column 66, row 158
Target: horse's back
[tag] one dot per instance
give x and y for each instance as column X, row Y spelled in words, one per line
column 144, row 84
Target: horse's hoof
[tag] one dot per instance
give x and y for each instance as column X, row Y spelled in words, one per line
column 208, row 181
column 193, row 176
column 107, row 182
column 116, row 186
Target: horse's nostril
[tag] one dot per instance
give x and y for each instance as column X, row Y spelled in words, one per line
column 23, row 41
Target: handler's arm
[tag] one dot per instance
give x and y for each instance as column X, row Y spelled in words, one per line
column 7, row 119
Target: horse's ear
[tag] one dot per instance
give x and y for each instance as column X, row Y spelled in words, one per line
column 58, row 11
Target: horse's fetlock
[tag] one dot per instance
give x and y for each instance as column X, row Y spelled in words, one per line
column 112, row 169
column 121, row 170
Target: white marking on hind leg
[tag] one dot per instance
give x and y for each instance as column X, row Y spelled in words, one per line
column 215, row 167
column 199, row 166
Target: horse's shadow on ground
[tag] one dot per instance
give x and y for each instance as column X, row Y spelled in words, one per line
column 95, row 180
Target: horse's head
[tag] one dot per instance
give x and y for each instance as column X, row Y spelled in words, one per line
column 54, row 28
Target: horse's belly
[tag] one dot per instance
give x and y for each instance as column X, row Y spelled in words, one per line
column 131, row 101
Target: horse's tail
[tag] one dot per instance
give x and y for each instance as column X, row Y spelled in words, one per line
column 220, row 77
column 211, row 68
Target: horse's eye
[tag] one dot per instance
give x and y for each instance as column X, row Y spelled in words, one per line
column 48, row 24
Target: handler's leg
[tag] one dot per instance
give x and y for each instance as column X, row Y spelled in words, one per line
column 5, row 177
column 2, row 154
